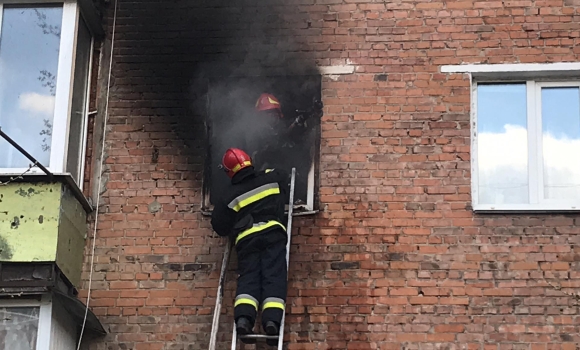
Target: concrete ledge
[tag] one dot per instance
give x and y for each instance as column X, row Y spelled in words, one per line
column 517, row 71
column 336, row 70
column 511, row 67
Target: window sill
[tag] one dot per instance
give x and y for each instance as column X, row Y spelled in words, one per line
column 298, row 211
column 64, row 178
column 531, row 209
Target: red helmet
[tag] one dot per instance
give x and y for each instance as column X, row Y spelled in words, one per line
column 269, row 102
column 235, row 160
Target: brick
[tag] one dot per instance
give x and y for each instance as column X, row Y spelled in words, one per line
column 498, row 292
column 455, row 301
column 123, row 285
column 512, row 328
column 449, row 328
column 423, row 300
column 404, row 291
column 130, row 302
column 524, row 266
column 438, row 338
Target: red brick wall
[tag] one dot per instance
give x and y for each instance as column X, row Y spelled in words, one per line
column 396, row 260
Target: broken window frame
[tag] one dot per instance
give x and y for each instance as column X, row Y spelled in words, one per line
column 312, row 200
column 72, row 17
column 298, row 210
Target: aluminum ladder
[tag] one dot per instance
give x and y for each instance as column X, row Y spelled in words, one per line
column 220, row 291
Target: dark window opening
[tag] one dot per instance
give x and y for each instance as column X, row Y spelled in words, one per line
column 232, row 121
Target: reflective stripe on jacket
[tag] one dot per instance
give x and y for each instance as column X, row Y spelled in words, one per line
column 255, row 204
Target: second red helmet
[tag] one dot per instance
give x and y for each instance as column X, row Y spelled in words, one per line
column 269, row 102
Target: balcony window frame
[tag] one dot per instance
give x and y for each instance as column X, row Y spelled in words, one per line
column 71, row 19
column 43, row 337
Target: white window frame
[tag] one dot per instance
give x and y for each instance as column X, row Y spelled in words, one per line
column 548, row 203
column 85, row 128
column 63, row 98
column 535, row 76
column 44, row 318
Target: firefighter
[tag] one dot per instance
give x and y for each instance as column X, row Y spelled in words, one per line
column 285, row 132
column 271, row 144
column 287, row 141
column 252, row 214
column 269, row 104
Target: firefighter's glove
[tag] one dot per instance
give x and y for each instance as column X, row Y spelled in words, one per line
column 317, row 105
column 300, row 120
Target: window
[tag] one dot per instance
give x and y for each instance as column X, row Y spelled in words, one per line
column 526, row 145
column 35, row 325
column 22, row 324
column 232, row 122
column 18, row 328
column 45, row 54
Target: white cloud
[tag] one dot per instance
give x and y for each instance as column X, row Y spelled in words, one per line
column 36, row 103
column 503, row 166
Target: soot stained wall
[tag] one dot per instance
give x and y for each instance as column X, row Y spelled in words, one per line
column 396, row 259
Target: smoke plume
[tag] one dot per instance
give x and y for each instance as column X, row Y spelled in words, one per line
column 258, row 49
column 204, row 63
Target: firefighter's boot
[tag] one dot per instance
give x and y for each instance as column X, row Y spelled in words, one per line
column 271, row 329
column 244, row 327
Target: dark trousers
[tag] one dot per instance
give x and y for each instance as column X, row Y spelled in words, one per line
column 262, row 282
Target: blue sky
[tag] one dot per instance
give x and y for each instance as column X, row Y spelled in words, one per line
column 501, row 104
column 498, row 105
column 503, row 143
column 28, row 45
column 560, row 112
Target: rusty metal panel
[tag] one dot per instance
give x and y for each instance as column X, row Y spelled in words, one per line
column 29, row 219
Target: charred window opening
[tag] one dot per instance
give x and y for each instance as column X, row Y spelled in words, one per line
column 234, row 121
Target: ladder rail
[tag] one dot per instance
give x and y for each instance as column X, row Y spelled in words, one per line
column 288, row 243
column 234, row 337
column 220, row 296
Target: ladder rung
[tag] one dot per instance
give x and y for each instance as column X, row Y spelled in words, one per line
column 257, row 336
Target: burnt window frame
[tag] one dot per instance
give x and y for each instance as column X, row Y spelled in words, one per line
column 312, row 204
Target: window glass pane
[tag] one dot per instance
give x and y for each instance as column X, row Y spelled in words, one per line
column 561, row 142
column 79, row 102
column 29, row 50
column 502, row 148
column 18, row 328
